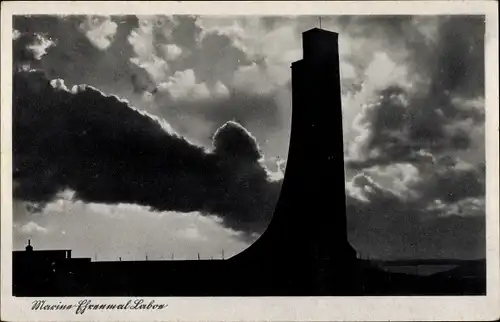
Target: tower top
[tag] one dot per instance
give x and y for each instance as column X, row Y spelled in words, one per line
column 319, row 31
column 319, row 44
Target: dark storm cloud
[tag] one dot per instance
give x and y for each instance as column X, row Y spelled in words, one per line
column 431, row 118
column 107, row 152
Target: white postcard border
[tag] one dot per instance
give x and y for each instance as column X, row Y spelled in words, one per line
column 265, row 308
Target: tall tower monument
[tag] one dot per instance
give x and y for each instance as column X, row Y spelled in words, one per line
column 307, row 236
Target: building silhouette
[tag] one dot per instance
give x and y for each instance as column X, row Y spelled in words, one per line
column 45, row 272
column 304, row 251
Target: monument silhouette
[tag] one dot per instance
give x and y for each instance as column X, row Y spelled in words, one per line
column 304, row 251
column 307, row 236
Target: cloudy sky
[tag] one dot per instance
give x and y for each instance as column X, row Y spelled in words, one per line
column 163, row 135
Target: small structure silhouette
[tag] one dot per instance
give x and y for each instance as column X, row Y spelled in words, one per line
column 29, row 248
column 47, row 272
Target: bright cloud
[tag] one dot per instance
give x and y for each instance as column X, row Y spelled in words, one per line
column 40, row 45
column 220, row 90
column 15, row 34
column 136, row 230
column 31, row 228
column 151, row 50
column 183, row 86
column 172, row 51
column 99, row 30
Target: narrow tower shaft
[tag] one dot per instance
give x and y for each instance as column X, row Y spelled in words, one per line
column 307, row 236
column 316, row 150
